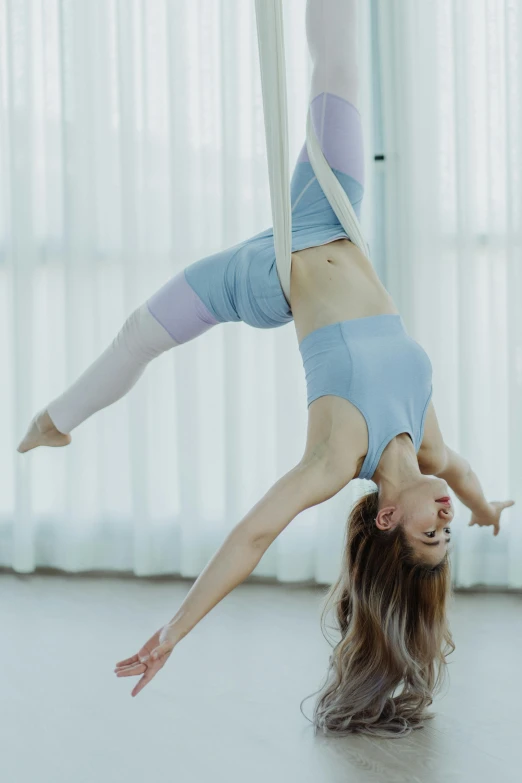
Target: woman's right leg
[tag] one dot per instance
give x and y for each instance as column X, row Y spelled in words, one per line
column 172, row 316
column 332, row 35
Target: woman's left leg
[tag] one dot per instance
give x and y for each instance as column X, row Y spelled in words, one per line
column 172, row 316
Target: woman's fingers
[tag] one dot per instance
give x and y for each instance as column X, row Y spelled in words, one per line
column 144, row 663
column 502, row 504
column 143, row 682
column 137, row 668
column 126, row 662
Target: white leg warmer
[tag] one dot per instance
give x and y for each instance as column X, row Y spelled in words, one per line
column 114, row 372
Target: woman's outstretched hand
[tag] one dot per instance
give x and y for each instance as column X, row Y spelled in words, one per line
column 150, row 659
column 493, row 517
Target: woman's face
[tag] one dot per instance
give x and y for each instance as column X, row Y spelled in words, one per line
column 426, row 512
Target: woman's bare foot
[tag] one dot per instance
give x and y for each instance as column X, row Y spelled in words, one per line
column 42, row 432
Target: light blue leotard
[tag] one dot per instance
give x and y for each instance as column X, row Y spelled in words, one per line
column 372, row 362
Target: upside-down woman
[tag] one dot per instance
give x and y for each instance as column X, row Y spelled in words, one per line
column 370, row 415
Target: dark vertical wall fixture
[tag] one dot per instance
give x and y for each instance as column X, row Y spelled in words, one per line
column 379, row 157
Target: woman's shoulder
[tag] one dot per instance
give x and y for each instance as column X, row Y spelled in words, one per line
column 432, row 451
column 337, row 432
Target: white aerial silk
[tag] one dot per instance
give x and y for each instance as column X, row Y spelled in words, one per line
column 270, row 35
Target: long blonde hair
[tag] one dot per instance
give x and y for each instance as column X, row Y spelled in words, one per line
column 391, row 612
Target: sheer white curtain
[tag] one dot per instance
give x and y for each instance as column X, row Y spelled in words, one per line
column 452, row 81
column 132, row 144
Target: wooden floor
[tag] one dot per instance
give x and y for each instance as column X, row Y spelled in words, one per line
column 226, row 705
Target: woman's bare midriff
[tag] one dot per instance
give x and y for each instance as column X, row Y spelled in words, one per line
column 332, row 283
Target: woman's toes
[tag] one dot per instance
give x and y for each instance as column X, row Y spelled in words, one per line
column 30, row 439
column 42, row 432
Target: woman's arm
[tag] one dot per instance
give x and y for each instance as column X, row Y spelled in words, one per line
column 318, row 477
column 304, row 486
column 463, row 481
column 465, row 484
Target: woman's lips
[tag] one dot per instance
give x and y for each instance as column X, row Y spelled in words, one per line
column 443, row 500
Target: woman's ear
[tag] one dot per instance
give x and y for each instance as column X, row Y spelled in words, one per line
column 384, row 520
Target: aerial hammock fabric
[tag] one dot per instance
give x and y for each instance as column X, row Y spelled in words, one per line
column 270, row 36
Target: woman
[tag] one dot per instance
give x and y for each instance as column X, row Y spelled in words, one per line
column 370, row 416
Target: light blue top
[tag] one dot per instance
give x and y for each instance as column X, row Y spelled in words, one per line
column 375, row 364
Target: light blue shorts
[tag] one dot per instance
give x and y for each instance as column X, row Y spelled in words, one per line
column 242, row 283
